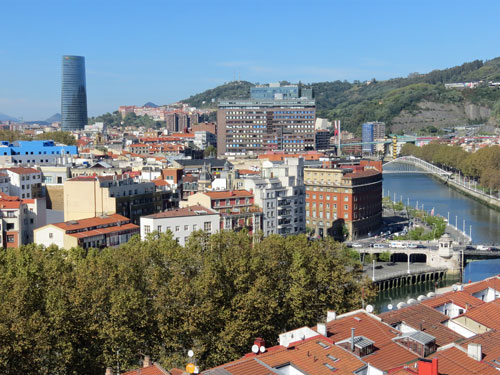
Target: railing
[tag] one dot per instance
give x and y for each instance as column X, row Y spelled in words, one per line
column 394, row 275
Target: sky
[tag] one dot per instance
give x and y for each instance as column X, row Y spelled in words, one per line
column 165, row 51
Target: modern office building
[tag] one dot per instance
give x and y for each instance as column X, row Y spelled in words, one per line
column 372, row 131
column 73, row 93
column 273, row 118
column 248, row 126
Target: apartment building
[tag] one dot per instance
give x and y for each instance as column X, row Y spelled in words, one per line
column 33, row 152
column 19, row 217
column 94, row 232
column 181, row 222
column 236, row 208
column 120, row 194
column 280, row 192
column 342, row 198
column 25, row 182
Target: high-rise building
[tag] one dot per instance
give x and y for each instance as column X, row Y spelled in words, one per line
column 274, row 118
column 372, row 131
column 73, row 93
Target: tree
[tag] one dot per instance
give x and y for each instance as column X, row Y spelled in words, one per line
column 210, row 151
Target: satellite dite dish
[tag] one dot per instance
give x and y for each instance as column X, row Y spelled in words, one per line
column 255, row 348
column 262, row 349
column 411, row 301
column 389, row 306
column 190, row 353
column 455, row 288
column 431, row 294
column 401, row 305
column 421, row 298
column 369, row 308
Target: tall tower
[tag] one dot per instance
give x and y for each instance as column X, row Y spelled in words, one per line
column 73, row 93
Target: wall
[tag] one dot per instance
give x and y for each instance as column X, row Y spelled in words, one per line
column 42, row 236
column 83, row 199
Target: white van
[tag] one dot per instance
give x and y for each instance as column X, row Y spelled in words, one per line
column 397, row 244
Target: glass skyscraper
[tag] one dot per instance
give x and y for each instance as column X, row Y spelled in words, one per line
column 73, row 93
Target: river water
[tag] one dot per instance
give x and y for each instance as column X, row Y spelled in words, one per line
column 481, row 221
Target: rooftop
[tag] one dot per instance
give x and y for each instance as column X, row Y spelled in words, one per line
column 22, row 170
column 105, row 220
column 195, row 210
column 459, row 298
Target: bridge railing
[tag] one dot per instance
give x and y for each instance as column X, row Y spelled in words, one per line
column 431, row 168
column 393, row 275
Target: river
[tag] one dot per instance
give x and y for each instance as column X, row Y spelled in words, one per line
column 481, row 221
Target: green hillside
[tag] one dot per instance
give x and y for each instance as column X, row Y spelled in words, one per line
column 410, row 103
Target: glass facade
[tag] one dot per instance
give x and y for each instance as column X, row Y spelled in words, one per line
column 367, row 136
column 73, row 93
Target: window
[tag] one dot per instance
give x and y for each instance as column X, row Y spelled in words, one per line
column 177, row 228
column 207, row 226
column 345, row 206
column 147, row 229
column 346, row 199
column 186, row 227
column 158, row 228
column 335, row 198
column 195, row 227
column 10, row 238
column 327, row 197
column 346, row 216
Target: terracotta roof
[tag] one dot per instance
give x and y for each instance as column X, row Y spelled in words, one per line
column 490, row 345
column 91, row 222
column 107, row 230
column 423, row 318
column 361, row 174
column 487, row 314
column 388, row 354
column 182, row 212
column 139, row 145
column 160, row 183
column 459, row 298
column 176, row 371
column 154, row 369
column 22, row 170
column 248, row 171
column 402, row 370
column 454, row 361
column 228, row 194
column 308, row 356
column 491, row 282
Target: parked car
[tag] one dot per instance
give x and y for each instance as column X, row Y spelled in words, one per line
column 379, row 246
column 412, row 246
column 482, row 247
column 358, row 245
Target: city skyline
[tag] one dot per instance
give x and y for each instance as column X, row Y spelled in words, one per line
column 134, row 55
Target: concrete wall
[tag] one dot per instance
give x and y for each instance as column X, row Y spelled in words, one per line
column 43, row 236
column 84, row 199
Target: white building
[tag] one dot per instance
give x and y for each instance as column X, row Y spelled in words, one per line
column 181, row 222
column 203, row 139
column 25, row 182
column 280, row 192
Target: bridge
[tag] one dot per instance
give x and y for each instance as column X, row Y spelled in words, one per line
column 411, row 164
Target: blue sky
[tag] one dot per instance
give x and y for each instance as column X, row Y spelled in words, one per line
column 163, row 51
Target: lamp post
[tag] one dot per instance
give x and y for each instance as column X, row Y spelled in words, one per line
column 373, row 267
column 409, row 255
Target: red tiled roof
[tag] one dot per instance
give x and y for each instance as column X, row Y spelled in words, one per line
column 388, row 354
column 248, row 171
column 91, row 222
column 490, row 345
column 228, row 194
column 154, row 369
column 360, row 174
column 107, row 230
column 459, row 298
column 487, row 314
column 22, row 170
column 423, row 318
column 182, row 212
column 491, row 282
column 453, row 361
column 160, row 183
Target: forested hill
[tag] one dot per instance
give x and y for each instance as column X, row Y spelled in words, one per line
column 412, row 103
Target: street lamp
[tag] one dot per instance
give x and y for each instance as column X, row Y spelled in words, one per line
column 373, row 265
column 409, row 255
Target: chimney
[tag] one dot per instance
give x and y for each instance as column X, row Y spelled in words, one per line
column 109, row 371
column 330, row 316
column 321, row 328
column 352, row 339
column 147, row 361
column 475, row 351
column 428, row 367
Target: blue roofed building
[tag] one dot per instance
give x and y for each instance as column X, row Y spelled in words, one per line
column 31, row 153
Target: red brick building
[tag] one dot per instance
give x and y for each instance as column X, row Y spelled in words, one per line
column 343, row 199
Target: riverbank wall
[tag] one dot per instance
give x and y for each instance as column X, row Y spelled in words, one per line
column 479, row 196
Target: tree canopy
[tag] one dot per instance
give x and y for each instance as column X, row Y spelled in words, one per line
column 77, row 312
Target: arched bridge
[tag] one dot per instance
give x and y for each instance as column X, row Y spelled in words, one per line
column 411, row 164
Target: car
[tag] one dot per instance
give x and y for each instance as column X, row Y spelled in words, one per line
column 482, row 247
column 358, row 245
column 470, row 247
column 379, row 246
column 412, row 245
